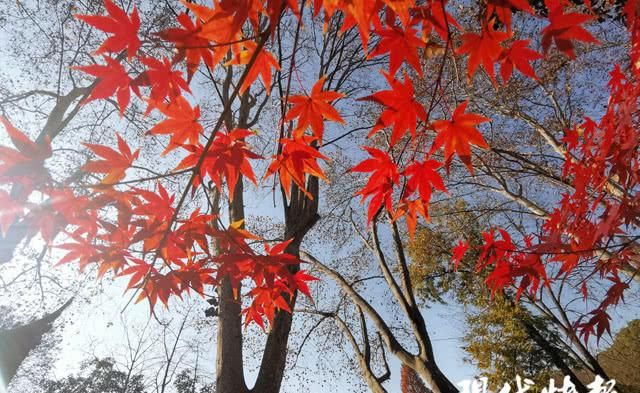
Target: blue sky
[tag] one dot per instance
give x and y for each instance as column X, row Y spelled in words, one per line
column 96, row 328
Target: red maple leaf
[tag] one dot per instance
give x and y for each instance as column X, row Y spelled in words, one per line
column 401, row 8
column 221, row 25
column 182, row 123
column 504, row 8
column 518, row 54
column 10, row 210
column 360, row 13
column 563, row 29
column 434, row 17
column 139, row 271
column 156, row 210
column 598, row 324
column 233, row 239
column 302, row 279
column 83, row 250
column 112, row 79
column 313, row 109
column 158, row 286
column 243, row 10
column 196, row 229
column 78, row 211
column 261, row 67
column 297, row 159
column 423, row 178
column 459, row 252
column 156, row 206
column 402, row 110
column 227, row 158
column 275, row 9
column 216, row 23
column 163, row 80
column 27, row 162
column 402, row 45
column 189, row 45
column 482, row 48
column 195, row 275
column 380, row 185
column 114, row 163
column 124, row 30
column 458, row 134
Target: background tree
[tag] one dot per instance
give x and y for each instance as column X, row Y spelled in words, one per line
column 172, row 218
column 17, row 341
column 620, row 357
column 502, row 338
column 99, row 376
column 188, row 382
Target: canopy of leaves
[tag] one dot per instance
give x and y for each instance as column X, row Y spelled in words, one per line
column 496, row 338
column 621, row 359
column 98, row 376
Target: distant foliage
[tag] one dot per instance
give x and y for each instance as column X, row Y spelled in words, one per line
column 622, row 359
column 99, row 376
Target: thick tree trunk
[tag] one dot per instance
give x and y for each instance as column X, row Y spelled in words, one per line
column 554, row 353
column 229, row 360
column 300, row 216
column 16, row 343
column 301, row 213
column 435, row 378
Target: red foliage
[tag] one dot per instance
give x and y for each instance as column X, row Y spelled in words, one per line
column 312, row 110
column 458, row 134
column 175, row 242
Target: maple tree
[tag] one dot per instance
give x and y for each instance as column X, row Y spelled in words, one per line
column 164, row 246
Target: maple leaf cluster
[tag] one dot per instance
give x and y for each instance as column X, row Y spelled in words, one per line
column 589, row 234
column 145, row 234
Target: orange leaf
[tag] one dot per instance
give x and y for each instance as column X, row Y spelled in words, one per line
column 297, row 159
column 312, row 110
column 458, row 134
column 402, row 110
column 112, row 79
column 114, row 163
column 261, row 67
column 124, row 29
column 182, row 123
column 563, row 29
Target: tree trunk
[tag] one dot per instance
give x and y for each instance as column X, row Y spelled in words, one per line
column 433, row 376
column 553, row 352
column 301, row 214
column 229, row 360
column 16, row 343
